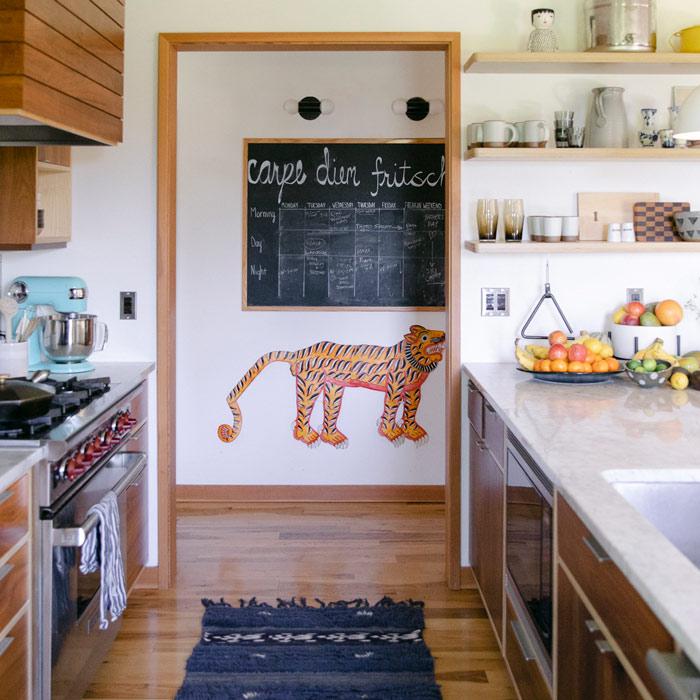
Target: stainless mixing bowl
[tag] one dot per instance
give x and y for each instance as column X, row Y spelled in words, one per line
column 70, row 337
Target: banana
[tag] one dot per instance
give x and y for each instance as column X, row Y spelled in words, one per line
column 526, row 359
column 539, row 351
column 656, row 351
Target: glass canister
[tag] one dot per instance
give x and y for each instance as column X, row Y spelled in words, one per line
column 620, row 25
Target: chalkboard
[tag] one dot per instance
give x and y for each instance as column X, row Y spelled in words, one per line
column 350, row 224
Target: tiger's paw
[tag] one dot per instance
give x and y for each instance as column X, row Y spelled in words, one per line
column 416, row 433
column 306, row 435
column 394, row 433
column 336, row 439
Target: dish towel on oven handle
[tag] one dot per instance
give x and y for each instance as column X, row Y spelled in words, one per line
column 112, row 588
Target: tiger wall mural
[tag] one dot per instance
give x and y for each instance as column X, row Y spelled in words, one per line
column 398, row 371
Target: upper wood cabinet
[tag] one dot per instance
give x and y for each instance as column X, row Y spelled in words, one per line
column 61, row 71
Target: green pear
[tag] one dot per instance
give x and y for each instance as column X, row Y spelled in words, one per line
column 690, row 363
column 649, row 319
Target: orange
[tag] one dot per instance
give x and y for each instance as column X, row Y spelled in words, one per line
column 560, row 366
column 545, row 365
column 669, row 312
column 600, row 366
column 537, row 365
column 590, row 357
column 587, row 367
column 613, row 364
column 576, row 367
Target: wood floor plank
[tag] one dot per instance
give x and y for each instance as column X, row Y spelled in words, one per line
column 327, row 551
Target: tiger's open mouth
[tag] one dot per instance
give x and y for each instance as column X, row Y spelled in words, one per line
column 435, row 348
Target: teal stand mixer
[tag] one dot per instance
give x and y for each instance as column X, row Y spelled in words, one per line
column 67, row 335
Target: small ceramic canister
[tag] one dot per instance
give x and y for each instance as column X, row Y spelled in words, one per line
column 627, row 235
column 615, row 233
column 666, row 137
column 552, row 228
column 570, row 229
column 535, row 226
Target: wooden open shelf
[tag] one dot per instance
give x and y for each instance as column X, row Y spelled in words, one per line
column 531, row 248
column 582, row 154
column 612, row 62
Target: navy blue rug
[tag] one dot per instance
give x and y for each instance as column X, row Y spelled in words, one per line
column 348, row 650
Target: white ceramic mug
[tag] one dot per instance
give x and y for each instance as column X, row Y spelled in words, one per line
column 535, row 227
column 533, row 133
column 552, row 228
column 14, row 359
column 614, row 233
column 570, row 228
column 499, row 134
column 475, row 135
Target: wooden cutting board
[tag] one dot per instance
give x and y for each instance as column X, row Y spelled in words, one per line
column 598, row 209
column 653, row 221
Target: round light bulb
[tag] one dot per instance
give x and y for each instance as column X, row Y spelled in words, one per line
column 291, row 106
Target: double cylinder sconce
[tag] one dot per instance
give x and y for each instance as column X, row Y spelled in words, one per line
column 417, row 108
column 309, row 108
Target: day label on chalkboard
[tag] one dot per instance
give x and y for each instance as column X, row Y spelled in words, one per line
column 344, row 224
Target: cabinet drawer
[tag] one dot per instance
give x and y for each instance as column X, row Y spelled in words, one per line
column 494, row 433
column 526, row 672
column 14, row 514
column 628, row 618
column 14, row 660
column 476, row 409
column 13, row 585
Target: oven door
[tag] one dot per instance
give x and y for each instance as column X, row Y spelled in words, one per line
column 529, row 542
column 78, row 645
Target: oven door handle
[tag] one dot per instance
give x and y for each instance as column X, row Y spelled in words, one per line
column 76, row 536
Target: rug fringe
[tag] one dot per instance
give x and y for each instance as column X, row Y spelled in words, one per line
column 385, row 602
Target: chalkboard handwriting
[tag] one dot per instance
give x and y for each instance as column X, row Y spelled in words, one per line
column 270, row 173
column 258, row 272
column 256, row 244
column 258, row 214
column 403, row 177
column 328, row 173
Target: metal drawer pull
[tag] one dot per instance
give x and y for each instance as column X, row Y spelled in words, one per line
column 74, row 536
column 5, row 644
column 675, row 674
column 598, row 552
column 592, row 626
column 603, row 646
column 5, row 496
column 5, row 570
column 523, row 642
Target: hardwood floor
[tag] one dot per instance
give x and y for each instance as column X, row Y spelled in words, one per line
column 327, row 551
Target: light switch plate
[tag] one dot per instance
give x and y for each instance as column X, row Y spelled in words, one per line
column 635, row 294
column 127, row 306
column 495, row 301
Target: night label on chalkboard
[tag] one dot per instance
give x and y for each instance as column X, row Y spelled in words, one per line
column 349, row 224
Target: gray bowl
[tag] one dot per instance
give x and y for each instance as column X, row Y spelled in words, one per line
column 688, row 225
column 647, row 381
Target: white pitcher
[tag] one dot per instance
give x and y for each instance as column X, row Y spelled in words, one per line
column 606, row 126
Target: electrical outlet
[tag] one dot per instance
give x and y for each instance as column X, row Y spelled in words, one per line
column 127, row 306
column 635, row 294
column 495, row 301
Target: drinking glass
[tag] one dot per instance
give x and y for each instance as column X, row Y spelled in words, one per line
column 487, row 219
column 513, row 219
column 563, row 121
column 576, row 137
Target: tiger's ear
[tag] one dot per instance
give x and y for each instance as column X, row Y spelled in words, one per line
column 415, row 330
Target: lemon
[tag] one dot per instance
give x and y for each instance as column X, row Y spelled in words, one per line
column 606, row 351
column 679, row 381
column 594, row 345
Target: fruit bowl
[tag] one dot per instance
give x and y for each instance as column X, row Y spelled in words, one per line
column 571, row 377
column 648, row 379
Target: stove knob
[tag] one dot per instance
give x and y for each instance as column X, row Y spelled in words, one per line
column 84, row 459
column 97, row 446
column 115, row 422
column 106, row 438
column 73, row 471
column 124, row 423
column 60, row 472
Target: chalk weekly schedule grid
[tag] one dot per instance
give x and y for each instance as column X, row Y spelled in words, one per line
column 351, row 224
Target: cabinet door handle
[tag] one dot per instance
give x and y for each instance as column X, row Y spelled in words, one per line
column 5, row 496
column 675, row 674
column 598, row 552
column 603, row 646
column 5, row 644
column 523, row 642
column 5, row 570
column 592, row 626
column 481, row 444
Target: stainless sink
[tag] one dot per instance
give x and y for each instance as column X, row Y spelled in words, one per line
column 671, row 507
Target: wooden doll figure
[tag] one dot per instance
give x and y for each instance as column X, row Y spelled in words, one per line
column 543, row 38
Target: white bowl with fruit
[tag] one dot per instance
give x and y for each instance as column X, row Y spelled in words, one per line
column 636, row 326
column 587, row 359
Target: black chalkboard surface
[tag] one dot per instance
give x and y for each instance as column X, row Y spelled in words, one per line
column 351, row 224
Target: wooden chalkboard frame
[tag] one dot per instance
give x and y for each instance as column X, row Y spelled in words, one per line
column 244, row 229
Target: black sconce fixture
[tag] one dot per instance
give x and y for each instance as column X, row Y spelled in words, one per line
column 417, row 109
column 309, row 107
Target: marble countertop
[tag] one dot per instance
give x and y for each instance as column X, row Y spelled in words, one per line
column 16, row 462
column 587, row 437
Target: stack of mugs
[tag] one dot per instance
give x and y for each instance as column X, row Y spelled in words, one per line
column 552, row 229
column 500, row 134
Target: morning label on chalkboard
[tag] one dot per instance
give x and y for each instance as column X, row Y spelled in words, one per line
column 349, row 224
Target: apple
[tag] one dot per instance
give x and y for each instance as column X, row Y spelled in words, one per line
column 557, row 338
column 577, row 353
column 630, row 320
column 635, row 309
column 649, row 319
column 558, row 352
column 619, row 315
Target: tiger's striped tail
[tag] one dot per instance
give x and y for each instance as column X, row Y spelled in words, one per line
column 228, row 433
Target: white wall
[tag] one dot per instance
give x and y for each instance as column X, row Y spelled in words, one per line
column 114, row 189
column 221, row 103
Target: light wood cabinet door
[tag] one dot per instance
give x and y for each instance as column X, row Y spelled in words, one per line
column 487, row 524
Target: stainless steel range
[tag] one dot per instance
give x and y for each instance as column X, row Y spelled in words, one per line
column 96, row 437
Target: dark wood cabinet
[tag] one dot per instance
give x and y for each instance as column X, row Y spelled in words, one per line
column 487, row 525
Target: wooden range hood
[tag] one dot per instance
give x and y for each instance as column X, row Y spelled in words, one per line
column 61, row 72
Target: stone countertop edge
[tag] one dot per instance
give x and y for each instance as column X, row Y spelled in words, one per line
column 667, row 581
column 16, row 462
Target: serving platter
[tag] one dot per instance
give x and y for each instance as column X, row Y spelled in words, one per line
column 571, row 377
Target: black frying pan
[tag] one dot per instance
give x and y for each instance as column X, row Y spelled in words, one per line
column 22, row 399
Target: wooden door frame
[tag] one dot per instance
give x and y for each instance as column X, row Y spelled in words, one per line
column 170, row 45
